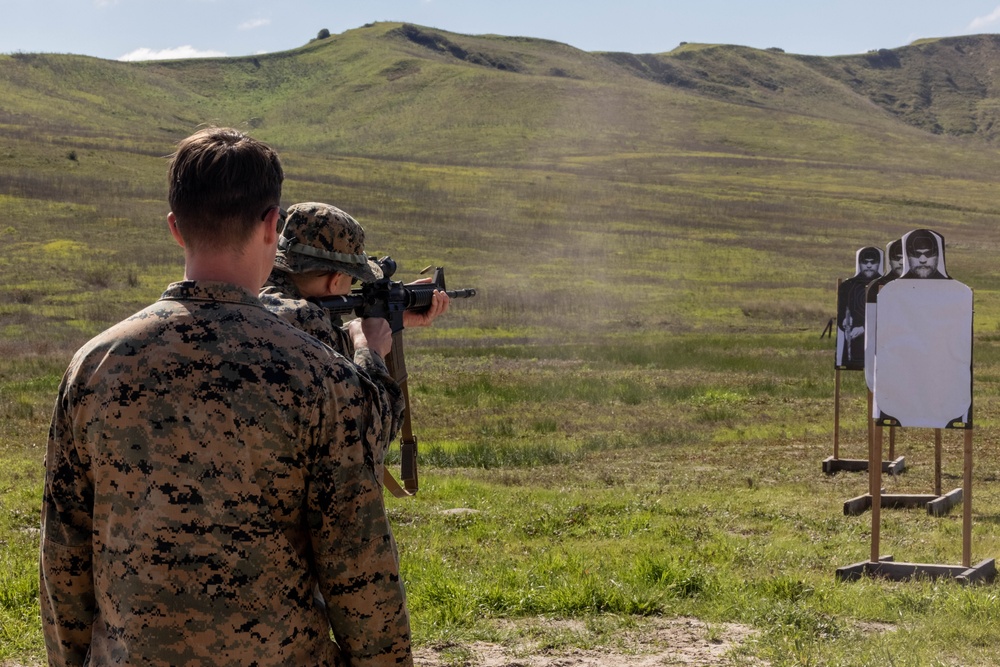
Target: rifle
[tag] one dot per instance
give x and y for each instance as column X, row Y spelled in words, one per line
column 388, row 299
column 848, row 325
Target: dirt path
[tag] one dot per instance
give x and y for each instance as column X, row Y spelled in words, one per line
column 677, row 641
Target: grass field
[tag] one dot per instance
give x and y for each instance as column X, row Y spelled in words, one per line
column 680, row 479
column 628, row 422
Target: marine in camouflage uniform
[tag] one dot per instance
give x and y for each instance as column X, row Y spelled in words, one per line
column 208, row 468
column 322, row 239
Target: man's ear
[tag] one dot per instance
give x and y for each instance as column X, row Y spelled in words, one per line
column 176, row 233
column 330, row 282
column 271, row 220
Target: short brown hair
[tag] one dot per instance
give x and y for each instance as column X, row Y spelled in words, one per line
column 221, row 183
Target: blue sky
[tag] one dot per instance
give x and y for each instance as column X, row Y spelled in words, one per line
column 144, row 29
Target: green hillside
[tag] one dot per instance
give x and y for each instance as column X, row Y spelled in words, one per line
column 945, row 86
column 544, row 173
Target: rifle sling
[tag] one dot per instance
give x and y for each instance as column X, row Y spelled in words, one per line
column 408, row 459
column 407, row 447
column 393, row 486
column 396, row 362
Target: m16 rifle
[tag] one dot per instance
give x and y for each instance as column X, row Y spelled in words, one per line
column 389, row 299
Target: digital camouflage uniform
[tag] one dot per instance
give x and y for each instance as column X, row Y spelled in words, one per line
column 208, row 468
column 320, row 237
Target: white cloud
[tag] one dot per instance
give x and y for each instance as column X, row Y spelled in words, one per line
column 105, row 3
column 981, row 22
column 254, row 23
column 171, row 54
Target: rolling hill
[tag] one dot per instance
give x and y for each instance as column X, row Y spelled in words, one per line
column 733, row 184
column 507, row 95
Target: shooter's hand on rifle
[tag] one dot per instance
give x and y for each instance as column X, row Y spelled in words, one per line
column 371, row 332
column 439, row 306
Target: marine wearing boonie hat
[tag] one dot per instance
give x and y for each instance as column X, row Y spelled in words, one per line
column 320, row 237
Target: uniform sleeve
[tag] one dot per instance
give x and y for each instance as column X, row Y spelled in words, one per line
column 66, row 586
column 304, row 316
column 383, row 392
column 386, row 394
column 314, row 321
column 356, row 559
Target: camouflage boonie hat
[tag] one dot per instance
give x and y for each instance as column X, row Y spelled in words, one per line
column 320, row 237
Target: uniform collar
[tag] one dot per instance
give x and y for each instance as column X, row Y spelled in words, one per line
column 209, row 290
column 282, row 283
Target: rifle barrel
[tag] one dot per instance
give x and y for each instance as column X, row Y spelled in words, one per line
column 356, row 300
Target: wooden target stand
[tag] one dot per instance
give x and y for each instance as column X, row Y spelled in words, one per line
column 885, row 567
column 948, row 305
column 935, row 503
column 834, row 464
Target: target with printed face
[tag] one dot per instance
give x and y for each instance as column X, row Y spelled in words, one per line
column 923, row 350
column 851, row 307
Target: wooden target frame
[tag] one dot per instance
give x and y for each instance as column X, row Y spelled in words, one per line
column 923, row 378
